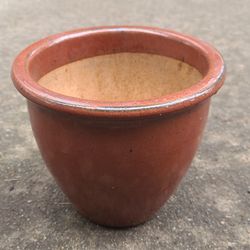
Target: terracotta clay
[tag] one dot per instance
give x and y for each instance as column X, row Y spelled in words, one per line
column 118, row 113
column 121, row 77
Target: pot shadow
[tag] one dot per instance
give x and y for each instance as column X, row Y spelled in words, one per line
column 179, row 216
column 190, row 217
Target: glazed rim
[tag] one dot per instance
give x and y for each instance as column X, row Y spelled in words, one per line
column 60, row 49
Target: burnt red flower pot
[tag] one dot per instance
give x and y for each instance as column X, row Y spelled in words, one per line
column 118, row 113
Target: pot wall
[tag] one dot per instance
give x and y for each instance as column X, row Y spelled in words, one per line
column 118, row 172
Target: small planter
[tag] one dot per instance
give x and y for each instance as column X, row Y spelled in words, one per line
column 118, row 113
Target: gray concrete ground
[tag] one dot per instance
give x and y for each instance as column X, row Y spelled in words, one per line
column 211, row 208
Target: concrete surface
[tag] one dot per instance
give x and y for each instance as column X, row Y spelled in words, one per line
column 211, row 208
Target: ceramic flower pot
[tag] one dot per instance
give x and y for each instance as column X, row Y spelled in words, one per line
column 118, row 113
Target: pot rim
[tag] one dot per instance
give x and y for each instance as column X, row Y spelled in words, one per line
column 198, row 92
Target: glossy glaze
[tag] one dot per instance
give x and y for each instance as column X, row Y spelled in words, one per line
column 118, row 162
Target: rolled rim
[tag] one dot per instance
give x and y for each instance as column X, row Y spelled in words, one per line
column 206, row 87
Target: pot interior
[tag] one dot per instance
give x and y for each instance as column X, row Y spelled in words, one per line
column 117, row 64
column 121, row 77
